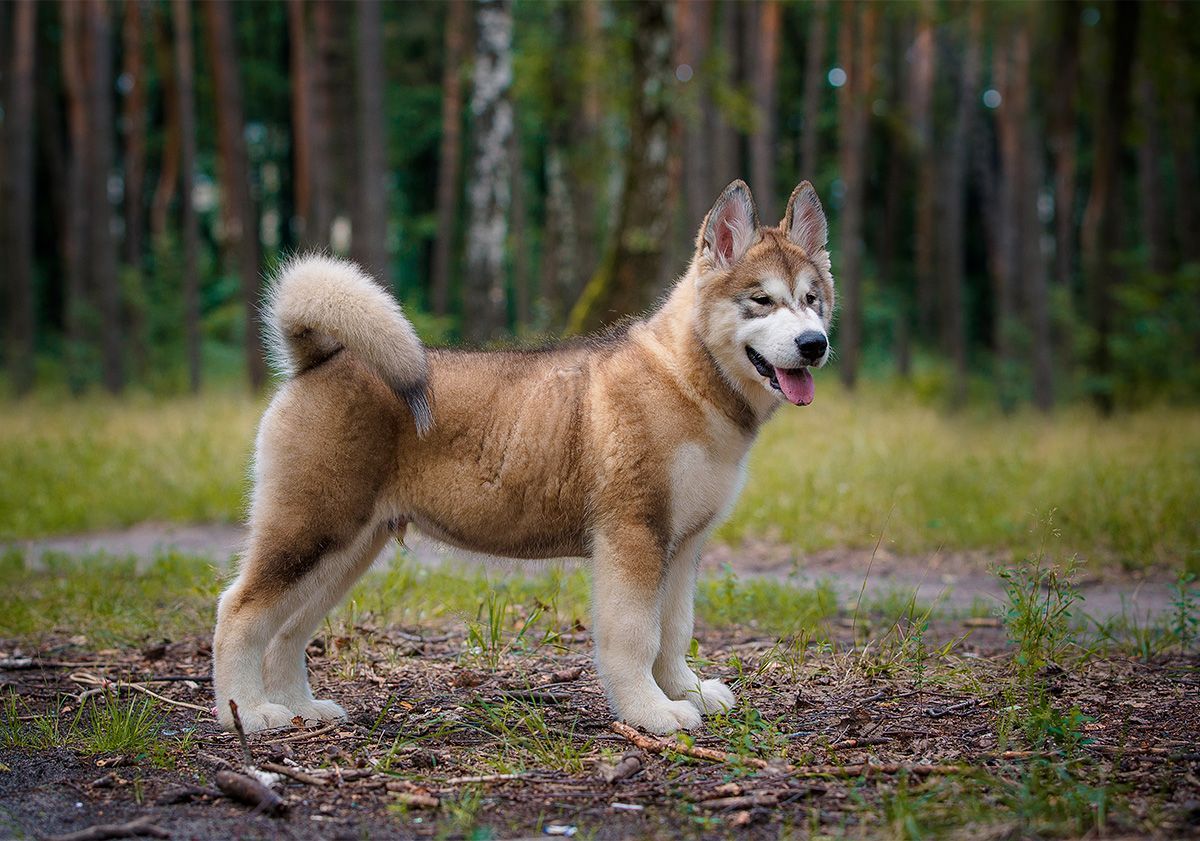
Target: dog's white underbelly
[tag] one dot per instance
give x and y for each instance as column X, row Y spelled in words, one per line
column 704, row 488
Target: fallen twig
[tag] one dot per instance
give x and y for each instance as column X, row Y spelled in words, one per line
column 564, row 675
column 303, row 736
column 849, row 744
column 249, row 791
column 942, row 712
column 629, row 765
column 102, row 684
column 485, row 778
column 745, row 801
column 296, row 774
column 139, row 826
column 247, row 759
column 653, row 745
column 187, row 795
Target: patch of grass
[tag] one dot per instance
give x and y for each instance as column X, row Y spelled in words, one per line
column 770, row 606
column 971, row 480
column 96, row 463
column 524, row 740
column 112, row 601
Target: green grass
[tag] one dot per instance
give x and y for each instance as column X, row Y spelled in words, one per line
column 827, row 476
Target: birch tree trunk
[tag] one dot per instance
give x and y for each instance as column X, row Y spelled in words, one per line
column 489, row 192
column 450, row 152
column 239, row 234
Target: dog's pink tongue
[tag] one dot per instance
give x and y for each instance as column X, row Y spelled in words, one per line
column 797, row 385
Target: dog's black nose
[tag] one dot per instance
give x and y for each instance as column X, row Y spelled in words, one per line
column 812, row 344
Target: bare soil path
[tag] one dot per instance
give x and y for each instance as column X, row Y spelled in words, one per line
column 959, row 582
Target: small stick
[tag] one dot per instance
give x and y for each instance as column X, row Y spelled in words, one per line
column 746, row 801
column 101, row 684
column 652, row 745
column 140, row 826
column 415, row 801
column 296, row 774
column 247, row 759
column 249, row 791
column 859, row 743
column 942, row 712
column 629, row 765
column 485, row 778
column 300, row 737
column 564, row 675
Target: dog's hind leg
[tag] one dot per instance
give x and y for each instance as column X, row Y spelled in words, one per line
column 671, row 671
column 285, row 675
column 627, row 573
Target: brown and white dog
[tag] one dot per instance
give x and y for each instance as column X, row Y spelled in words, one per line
column 626, row 449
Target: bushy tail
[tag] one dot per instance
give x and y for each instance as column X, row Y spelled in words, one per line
column 317, row 305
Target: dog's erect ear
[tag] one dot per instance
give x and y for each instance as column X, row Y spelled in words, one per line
column 731, row 227
column 804, row 223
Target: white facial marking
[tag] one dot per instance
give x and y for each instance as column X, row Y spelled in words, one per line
column 774, row 336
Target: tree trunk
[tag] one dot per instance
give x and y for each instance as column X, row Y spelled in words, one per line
column 1100, row 233
column 323, row 90
column 1063, row 142
column 895, row 196
column 76, row 300
column 814, row 86
column 921, row 109
column 185, row 90
column 726, row 163
column 629, row 269
column 240, row 238
column 135, row 131
column 449, row 152
column 693, row 25
column 168, row 174
column 371, row 197
column 1150, row 182
column 18, row 197
column 953, row 319
column 1035, row 287
column 764, row 141
column 102, row 244
column 856, row 42
column 300, row 66
column 1182, row 103
column 489, row 193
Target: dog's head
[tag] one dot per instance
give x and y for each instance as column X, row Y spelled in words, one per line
column 765, row 295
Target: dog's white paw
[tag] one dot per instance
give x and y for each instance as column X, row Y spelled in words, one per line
column 319, row 711
column 712, row 696
column 665, row 718
column 259, row 717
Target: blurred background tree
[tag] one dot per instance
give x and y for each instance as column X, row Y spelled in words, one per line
column 1012, row 187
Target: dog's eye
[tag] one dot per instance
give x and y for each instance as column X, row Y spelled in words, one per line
column 763, row 300
column 810, row 299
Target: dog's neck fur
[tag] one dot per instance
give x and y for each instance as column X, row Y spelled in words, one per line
column 673, row 327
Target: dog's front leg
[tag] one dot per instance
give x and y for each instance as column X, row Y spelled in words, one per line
column 628, row 569
column 671, row 670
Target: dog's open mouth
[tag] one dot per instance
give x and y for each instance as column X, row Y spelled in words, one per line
column 796, row 384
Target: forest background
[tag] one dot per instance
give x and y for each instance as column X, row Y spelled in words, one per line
column 1012, row 187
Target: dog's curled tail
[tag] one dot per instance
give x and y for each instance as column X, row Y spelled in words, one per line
column 317, row 305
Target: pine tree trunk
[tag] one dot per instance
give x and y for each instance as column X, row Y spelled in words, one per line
column 240, row 237
column 856, row 42
column 1035, row 285
column 629, row 270
column 489, row 191
column 764, row 139
column 1100, row 234
column 168, row 174
column 76, row 299
column 924, row 54
column 300, row 66
column 18, row 208
column 726, row 160
column 449, row 152
column 190, row 225
column 371, row 197
column 101, row 242
column 814, row 86
column 135, row 131
column 1063, row 141
column 323, row 90
column 693, row 24
column 953, row 225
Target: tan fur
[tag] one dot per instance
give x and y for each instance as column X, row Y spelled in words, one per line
column 625, row 449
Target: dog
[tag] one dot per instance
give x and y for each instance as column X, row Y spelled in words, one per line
column 626, row 449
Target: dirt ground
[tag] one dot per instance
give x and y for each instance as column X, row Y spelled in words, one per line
column 441, row 744
column 956, row 581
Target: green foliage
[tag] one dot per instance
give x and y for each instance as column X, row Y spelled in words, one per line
column 763, row 604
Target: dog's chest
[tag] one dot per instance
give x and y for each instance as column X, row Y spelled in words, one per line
column 705, row 482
